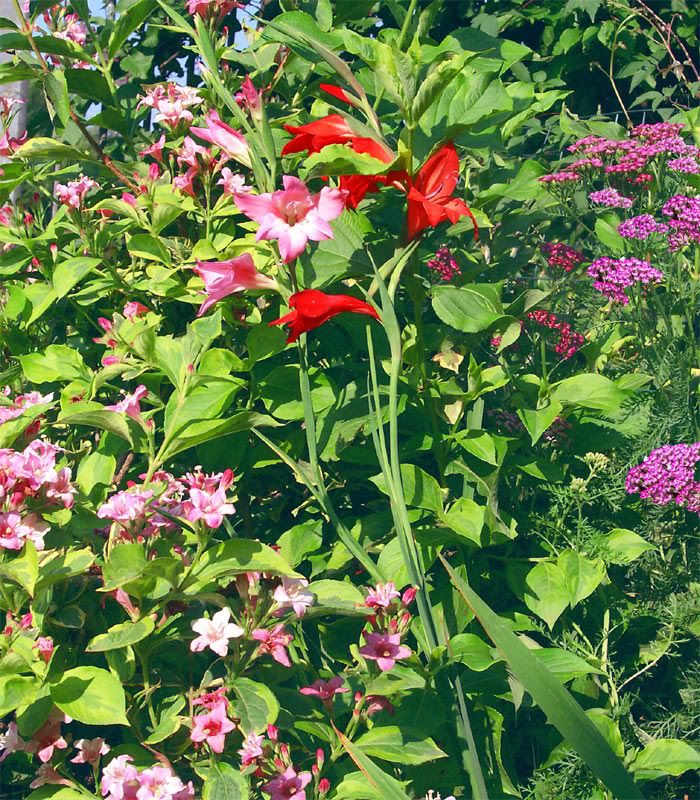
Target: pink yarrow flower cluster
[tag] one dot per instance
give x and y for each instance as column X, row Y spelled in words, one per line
column 31, row 483
column 122, row 781
column 568, row 342
column 444, row 264
column 561, row 255
column 613, row 277
column 610, row 198
column 683, row 219
column 642, row 227
column 72, row 194
column 171, row 103
column 667, row 476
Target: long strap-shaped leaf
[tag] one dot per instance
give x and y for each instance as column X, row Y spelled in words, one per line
column 556, row 702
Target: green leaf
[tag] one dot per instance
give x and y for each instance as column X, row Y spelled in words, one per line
column 387, row 788
column 390, row 743
column 70, row 272
column 538, row 421
column 466, row 519
column 91, row 695
column 470, row 309
column 113, row 421
column 296, row 543
column 420, row 489
column 50, row 149
column 339, row 159
column 57, row 363
column 665, row 757
column 559, row 706
column 583, row 575
column 62, row 566
column 56, row 90
column 606, row 231
column 564, row 665
column 125, row 563
column 480, row 444
column 256, row 706
column 57, row 793
column 23, row 568
column 224, row 782
column 40, row 296
column 546, row 593
column 143, row 245
column 238, row 556
column 340, row 597
column 16, row 691
column 129, row 20
column 205, row 430
column 121, row 635
column 469, row 649
column 590, row 390
column 625, row 546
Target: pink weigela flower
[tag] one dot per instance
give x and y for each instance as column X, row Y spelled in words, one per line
column 215, row 633
column 325, row 690
column 384, row 648
column 274, row 642
column 73, row 193
column 130, row 405
column 288, row 786
column 382, row 596
column 212, row 727
column 292, row 593
column 171, row 103
column 90, row 750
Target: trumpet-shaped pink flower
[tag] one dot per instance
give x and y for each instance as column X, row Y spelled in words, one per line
column 225, row 137
column 119, row 778
column 325, row 690
column 211, row 507
column 155, row 149
column 125, row 506
column 134, row 309
column 130, row 405
column 233, row 182
column 382, row 596
column 72, row 193
column 293, row 215
column 47, row 775
column 44, row 644
column 223, row 278
column 215, row 633
column 212, row 727
column 288, row 786
column 90, row 750
column 251, row 750
column 292, row 593
column 384, row 648
column 159, row 783
column 15, row 530
column 274, row 642
column 12, row 742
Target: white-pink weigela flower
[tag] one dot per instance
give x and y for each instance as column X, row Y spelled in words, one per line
column 292, row 593
column 293, row 215
column 215, row 633
column 171, row 103
column 73, row 193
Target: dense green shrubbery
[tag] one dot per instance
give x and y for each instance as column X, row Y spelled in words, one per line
column 349, row 439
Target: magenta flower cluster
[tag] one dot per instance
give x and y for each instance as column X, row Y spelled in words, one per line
column 561, row 255
column 569, row 341
column 444, row 265
column 614, row 276
column 610, row 198
column 641, row 227
column 30, row 485
column 667, row 476
column 683, row 215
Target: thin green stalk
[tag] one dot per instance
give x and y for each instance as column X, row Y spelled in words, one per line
column 310, row 427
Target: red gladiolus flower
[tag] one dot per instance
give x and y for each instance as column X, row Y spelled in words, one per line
column 337, row 92
column 311, row 308
column 430, row 200
column 334, row 129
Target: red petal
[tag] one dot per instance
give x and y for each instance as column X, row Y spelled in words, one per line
column 437, row 178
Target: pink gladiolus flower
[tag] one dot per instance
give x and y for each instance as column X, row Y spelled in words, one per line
column 251, row 750
column 223, row 278
column 382, row 596
column 212, row 728
column 230, row 141
column 293, row 215
column 215, row 633
column 233, row 182
column 44, row 644
column 325, row 690
column 159, row 783
column 134, row 309
column 274, row 642
column 384, row 648
column 130, row 404
column 288, row 786
column 291, row 593
column 119, row 778
column 90, row 750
